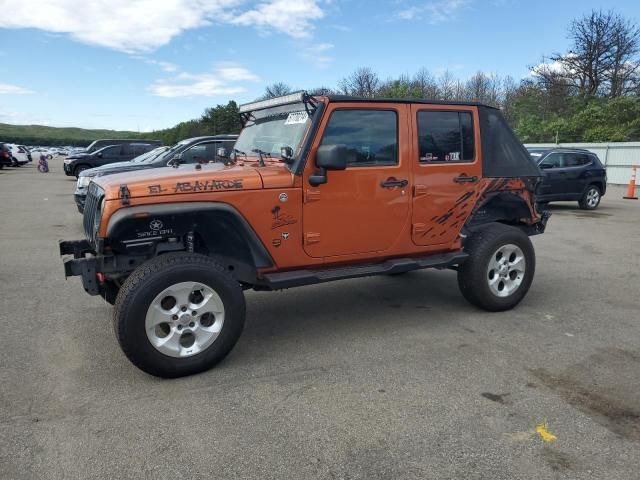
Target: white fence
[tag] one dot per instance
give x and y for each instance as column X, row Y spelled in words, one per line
column 616, row 157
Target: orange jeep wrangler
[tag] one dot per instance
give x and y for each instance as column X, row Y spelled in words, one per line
column 317, row 188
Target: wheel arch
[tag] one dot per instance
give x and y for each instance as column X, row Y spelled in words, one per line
column 213, row 229
column 501, row 207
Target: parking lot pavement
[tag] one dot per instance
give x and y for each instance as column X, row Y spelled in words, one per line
column 384, row 377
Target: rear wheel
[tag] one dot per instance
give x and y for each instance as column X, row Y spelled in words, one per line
column 591, row 198
column 500, row 268
column 179, row 314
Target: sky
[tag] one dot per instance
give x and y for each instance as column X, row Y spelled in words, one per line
column 144, row 65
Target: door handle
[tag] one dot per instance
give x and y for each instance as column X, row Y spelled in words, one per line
column 394, row 183
column 465, row 179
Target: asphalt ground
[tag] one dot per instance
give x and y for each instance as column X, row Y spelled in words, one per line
column 377, row 378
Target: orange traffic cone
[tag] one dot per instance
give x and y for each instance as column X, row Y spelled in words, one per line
column 631, row 191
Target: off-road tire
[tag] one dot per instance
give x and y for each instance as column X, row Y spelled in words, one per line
column 80, row 168
column 473, row 273
column 586, row 203
column 146, row 282
column 110, row 293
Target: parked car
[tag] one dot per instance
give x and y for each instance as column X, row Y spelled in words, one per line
column 19, row 154
column 98, row 144
column 5, row 155
column 75, row 164
column 320, row 188
column 570, row 174
column 192, row 150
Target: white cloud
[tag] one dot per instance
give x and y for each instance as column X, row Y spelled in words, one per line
column 8, row 89
column 223, row 80
column 292, row 17
column 318, row 54
column 136, row 26
column 433, row 12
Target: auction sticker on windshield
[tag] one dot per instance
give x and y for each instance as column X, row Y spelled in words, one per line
column 296, row 117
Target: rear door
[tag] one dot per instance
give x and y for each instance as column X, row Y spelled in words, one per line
column 446, row 169
column 576, row 164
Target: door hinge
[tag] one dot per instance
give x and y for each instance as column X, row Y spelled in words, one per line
column 311, row 195
column 419, row 190
column 311, row 238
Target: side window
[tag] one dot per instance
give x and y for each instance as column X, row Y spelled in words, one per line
column 445, row 137
column 574, row 160
column 201, row 153
column 553, row 160
column 128, row 149
column 112, row 151
column 371, row 136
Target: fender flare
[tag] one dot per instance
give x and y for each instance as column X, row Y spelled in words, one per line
column 259, row 254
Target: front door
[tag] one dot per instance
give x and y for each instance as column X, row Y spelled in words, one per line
column 110, row 155
column 446, row 169
column 364, row 208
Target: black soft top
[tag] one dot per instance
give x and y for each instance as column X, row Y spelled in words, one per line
column 348, row 98
column 503, row 155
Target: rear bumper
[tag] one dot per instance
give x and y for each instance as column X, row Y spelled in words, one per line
column 68, row 169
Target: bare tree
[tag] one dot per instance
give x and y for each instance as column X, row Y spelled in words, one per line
column 425, row 85
column 447, row 86
column 364, row 82
column 602, row 59
column 623, row 73
column 276, row 90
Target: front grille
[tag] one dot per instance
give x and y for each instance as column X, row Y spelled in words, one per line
column 92, row 213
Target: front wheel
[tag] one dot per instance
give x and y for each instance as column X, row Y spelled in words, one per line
column 500, row 268
column 591, row 198
column 179, row 314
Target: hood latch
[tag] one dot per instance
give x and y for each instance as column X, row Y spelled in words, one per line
column 124, row 194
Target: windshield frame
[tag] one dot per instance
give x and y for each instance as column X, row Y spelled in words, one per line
column 296, row 165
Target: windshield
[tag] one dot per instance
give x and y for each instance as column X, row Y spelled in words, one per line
column 150, row 156
column 170, row 152
column 271, row 129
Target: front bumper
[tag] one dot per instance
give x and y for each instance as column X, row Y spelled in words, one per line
column 68, row 169
column 81, row 265
column 94, row 268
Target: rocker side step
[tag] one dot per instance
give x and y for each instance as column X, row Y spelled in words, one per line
column 298, row 278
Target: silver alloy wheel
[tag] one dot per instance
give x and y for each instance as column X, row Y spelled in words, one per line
column 506, row 270
column 593, row 196
column 184, row 319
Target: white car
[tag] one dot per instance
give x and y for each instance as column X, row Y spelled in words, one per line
column 20, row 154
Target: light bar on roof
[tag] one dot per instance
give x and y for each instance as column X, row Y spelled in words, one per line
column 295, row 97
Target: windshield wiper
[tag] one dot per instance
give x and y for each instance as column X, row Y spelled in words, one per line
column 262, row 154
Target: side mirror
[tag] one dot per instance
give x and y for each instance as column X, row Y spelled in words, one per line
column 328, row 157
column 222, row 152
column 175, row 160
column 99, row 155
column 332, row 157
column 546, row 166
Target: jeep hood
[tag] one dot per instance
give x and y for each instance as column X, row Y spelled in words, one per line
column 188, row 180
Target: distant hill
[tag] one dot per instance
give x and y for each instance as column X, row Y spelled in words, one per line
column 43, row 135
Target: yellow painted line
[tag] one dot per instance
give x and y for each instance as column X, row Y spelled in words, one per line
column 547, row 436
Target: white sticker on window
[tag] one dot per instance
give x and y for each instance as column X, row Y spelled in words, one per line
column 454, row 156
column 296, row 117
